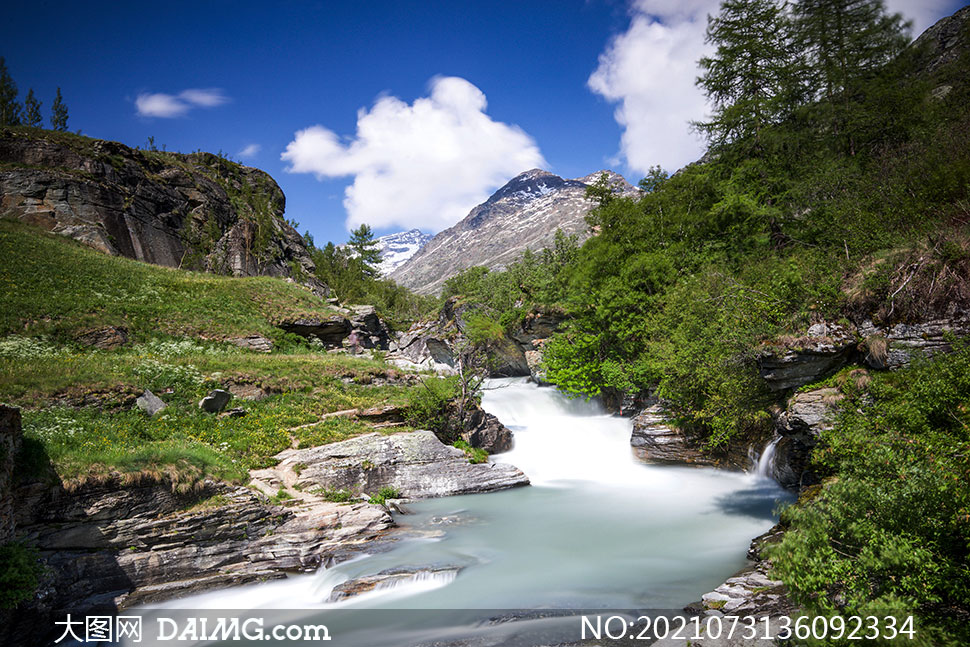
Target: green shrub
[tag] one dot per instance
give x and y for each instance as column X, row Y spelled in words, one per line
column 428, row 406
column 475, row 455
column 20, row 572
column 384, row 494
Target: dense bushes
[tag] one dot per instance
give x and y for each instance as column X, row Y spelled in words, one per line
column 20, row 571
column 890, row 531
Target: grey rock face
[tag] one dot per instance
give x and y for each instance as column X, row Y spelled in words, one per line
column 417, row 464
column 943, row 43
column 137, row 544
column 823, row 351
column 655, row 440
column 104, row 338
column 904, row 342
column 369, row 329
column 257, row 343
column 163, row 208
column 216, row 401
column 808, row 415
column 150, row 403
column 525, row 213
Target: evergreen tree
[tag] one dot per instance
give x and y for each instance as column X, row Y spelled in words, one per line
column 363, row 243
column 32, row 116
column 844, row 43
column 10, row 109
column 59, row 113
column 749, row 79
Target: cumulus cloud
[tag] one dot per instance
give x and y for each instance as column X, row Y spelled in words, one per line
column 168, row 106
column 420, row 165
column 250, row 151
column 649, row 70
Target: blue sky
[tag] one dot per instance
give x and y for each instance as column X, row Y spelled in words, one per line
column 398, row 114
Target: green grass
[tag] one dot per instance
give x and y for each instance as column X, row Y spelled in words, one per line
column 475, row 455
column 42, row 292
column 384, row 494
column 86, row 442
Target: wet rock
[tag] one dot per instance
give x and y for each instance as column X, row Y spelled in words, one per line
column 150, row 403
column 825, row 349
column 390, row 578
column 483, row 430
column 751, row 591
column 256, row 343
column 104, row 338
column 216, row 401
column 139, row 544
column 416, row 464
column 655, row 440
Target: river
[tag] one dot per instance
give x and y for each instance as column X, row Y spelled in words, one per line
column 597, row 529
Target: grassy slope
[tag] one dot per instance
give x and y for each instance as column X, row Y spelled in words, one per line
column 50, row 285
column 51, row 288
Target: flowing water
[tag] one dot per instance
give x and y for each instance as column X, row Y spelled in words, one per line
column 597, row 529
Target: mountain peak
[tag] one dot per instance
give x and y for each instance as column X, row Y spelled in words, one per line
column 525, row 213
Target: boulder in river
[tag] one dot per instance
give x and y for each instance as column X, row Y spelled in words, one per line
column 655, row 440
column 390, row 578
column 416, row 464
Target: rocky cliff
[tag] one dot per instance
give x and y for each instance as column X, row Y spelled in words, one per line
column 525, row 213
column 197, row 211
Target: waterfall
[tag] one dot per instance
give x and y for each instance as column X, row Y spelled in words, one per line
column 766, row 462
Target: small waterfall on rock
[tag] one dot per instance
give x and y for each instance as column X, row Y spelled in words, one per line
column 766, row 462
column 596, row 529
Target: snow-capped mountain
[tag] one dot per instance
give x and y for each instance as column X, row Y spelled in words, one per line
column 397, row 248
column 525, row 213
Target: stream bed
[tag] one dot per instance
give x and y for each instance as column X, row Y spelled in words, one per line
column 597, row 529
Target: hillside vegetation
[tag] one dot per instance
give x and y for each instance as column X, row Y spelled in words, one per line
column 831, row 192
column 79, row 418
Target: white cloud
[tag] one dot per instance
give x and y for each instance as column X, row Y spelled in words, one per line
column 649, row 70
column 176, row 105
column 923, row 13
column 421, row 165
column 250, row 151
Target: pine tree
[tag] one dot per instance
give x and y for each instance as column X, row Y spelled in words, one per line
column 10, row 109
column 363, row 243
column 750, row 77
column 59, row 113
column 842, row 44
column 32, row 116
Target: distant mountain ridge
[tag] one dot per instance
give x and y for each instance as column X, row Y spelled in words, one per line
column 524, row 213
column 397, row 248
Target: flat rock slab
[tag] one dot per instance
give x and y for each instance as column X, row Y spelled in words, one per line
column 391, row 578
column 416, row 464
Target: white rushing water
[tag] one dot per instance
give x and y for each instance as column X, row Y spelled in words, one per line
column 597, row 529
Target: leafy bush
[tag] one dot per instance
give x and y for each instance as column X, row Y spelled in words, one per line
column 475, row 455
column 20, row 572
column 428, row 406
column 889, row 533
column 384, row 494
